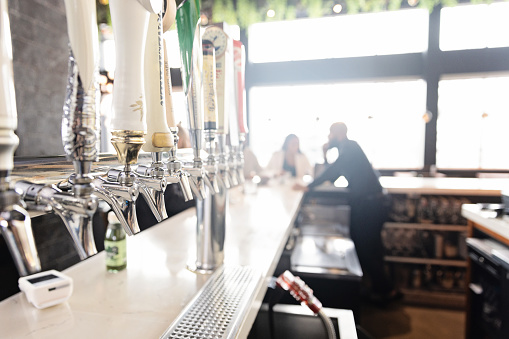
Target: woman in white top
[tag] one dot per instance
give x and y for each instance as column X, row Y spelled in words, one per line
column 289, row 160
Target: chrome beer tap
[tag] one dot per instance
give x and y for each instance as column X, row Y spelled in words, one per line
column 159, row 137
column 76, row 209
column 224, row 87
column 239, row 56
column 210, row 116
column 188, row 29
column 175, row 170
column 80, row 132
column 15, row 223
column 211, row 212
column 121, row 193
column 121, row 188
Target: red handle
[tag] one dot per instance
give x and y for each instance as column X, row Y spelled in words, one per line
column 299, row 290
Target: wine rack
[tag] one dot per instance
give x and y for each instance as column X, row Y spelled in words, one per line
column 425, row 248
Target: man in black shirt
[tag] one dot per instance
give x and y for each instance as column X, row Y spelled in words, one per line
column 367, row 206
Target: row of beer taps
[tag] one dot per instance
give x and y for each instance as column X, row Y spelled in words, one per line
column 142, row 120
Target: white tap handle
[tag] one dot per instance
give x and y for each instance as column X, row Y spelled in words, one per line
column 130, row 23
column 82, row 31
column 153, row 6
column 159, row 137
column 168, row 21
column 224, row 72
column 170, row 114
column 8, row 114
column 169, row 14
column 239, row 55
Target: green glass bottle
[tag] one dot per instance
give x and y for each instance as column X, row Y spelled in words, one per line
column 115, row 245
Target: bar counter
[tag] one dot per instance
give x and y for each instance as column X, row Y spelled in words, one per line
column 433, row 186
column 487, row 221
column 144, row 299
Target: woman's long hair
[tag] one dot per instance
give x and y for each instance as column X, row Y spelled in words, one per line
column 289, row 138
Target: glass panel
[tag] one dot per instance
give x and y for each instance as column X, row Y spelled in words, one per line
column 474, row 26
column 384, row 117
column 404, row 31
column 472, row 123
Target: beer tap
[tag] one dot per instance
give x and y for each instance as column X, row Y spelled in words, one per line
column 233, row 138
column 15, row 224
column 224, row 68
column 188, row 29
column 76, row 203
column 211, row 212
column 175, row 172
column 234, row 145
column 210, row 116
column 159, row 137
column 121, row 188
column 239, row 56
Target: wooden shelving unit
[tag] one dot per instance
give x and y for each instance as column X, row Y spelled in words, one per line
column 425, row 273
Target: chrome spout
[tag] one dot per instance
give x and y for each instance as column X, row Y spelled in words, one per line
column 16, row 228
column 174, row 168
column 197, row 177
column 152, row 182
column 232, row 163
column 197, row 182
column 211, row 165
column 152, row 190
column 75, row 211
column 223, row 166
column 121, row 194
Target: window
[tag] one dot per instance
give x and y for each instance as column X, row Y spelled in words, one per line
column 384, row 117
column 472, row 123
column 474, row 26
column 404, row 31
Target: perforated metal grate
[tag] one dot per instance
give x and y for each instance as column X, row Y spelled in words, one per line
column 217, row 310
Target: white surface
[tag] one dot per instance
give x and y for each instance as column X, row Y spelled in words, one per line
column 486, row 218
column 143, row 300
column 82, row 30
column 443, row 185
column 154, row 87
column 130, row 23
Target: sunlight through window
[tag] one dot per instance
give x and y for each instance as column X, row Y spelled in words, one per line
column 384, row 117
column 393, row 32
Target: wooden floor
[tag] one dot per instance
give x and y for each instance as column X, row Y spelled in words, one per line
column 400, row 321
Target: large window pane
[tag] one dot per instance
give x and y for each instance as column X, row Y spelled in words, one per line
column 472, row 123
column 404, row 31
column 384, row 117
column 474, row 26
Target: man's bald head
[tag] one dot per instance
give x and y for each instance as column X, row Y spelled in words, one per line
column 338, row 131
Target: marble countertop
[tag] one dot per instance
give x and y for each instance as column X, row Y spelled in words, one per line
column 437, row 186
column 143, row 300
column 487, row 221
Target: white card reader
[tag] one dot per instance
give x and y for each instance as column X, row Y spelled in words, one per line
column 47, row 288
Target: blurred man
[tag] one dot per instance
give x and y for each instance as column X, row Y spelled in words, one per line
column 368, row 208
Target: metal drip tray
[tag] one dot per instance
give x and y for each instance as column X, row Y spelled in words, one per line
column 325, row 254
column 219, row 307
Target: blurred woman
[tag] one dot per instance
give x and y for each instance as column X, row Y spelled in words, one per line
column 289, row 159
